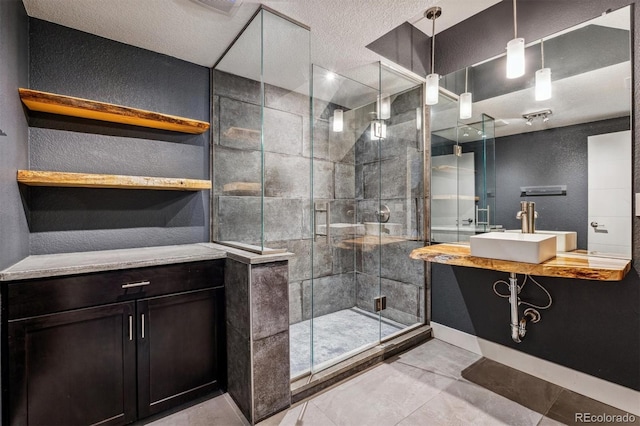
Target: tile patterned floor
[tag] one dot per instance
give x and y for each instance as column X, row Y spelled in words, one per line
column 432, row 384
column 335, row 334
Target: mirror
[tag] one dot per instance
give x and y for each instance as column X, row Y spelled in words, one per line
column 570, row 154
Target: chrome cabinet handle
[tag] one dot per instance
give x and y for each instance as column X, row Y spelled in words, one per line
column 596, row 224
column 139, row 284
column 130, row 327
column 142, row 320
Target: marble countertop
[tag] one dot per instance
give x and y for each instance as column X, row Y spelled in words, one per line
column 52, row 265
column 565, row 265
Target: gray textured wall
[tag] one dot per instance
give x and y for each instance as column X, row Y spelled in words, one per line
column 406, row 45
column 14, row 233
column 71, row 62
column 563, row 150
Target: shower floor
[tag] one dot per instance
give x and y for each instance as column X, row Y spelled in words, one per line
column 335, row 334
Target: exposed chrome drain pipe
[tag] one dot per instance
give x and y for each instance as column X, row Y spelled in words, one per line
column 519, row 325
column 513, row 301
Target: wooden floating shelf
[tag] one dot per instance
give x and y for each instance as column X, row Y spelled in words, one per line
column 84, row 108
column 84, row 180
column 565, row 265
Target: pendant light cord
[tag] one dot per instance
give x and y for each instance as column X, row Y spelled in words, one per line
column 542, row 51
column 433, row 44
column 466, row 77
column 515, row 21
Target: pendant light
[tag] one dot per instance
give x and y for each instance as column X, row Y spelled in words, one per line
column 383, row 107
column 378, row 130
column 543, row 79
column 515, row 51
column 433, row 79
column 465, row 99
column 338, row 122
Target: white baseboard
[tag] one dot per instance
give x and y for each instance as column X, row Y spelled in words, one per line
column 609, row 393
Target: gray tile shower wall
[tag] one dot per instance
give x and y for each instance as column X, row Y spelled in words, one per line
column 287, row 187
column 403, row 299
column 390, row 173
column 258, row 337
column 351, row 175
column 401, row 280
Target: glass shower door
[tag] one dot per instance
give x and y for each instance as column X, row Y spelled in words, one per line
column 341, row 109
column 462, row 174
column 365, row 212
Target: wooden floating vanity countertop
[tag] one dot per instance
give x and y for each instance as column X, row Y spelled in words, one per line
column 574, row 264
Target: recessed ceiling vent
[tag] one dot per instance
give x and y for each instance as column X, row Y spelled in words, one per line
column 226, row 7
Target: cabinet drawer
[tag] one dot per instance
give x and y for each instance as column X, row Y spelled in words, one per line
column 44, row 296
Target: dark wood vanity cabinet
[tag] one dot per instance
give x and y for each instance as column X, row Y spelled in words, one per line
column 73, row 368
column 145, row 349
column 180, row 348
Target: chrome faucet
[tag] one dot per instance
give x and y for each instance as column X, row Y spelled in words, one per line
column 527, row 215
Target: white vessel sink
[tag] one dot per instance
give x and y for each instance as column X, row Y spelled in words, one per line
column 517, row 247
column 565, row 240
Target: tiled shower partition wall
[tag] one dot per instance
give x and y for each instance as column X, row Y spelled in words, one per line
column 346, row 171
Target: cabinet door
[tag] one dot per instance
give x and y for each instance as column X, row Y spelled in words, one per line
column 179, row 348
column 73, row 368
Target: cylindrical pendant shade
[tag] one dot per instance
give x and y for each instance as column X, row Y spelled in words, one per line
column 419, row 118
column 515, row 58
column 433, row 81
column 338, row 122
column 543, row 84
column 465, row 106
column 384, row 107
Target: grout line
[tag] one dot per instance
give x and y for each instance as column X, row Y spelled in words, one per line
column 425, row 403
column 555, row 400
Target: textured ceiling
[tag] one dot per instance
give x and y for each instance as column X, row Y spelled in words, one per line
column 184, row 29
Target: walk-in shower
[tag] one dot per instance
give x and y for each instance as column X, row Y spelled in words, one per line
column 329, row 168
column 367, row 193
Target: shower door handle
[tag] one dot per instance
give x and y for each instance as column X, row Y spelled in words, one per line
column 326, row 209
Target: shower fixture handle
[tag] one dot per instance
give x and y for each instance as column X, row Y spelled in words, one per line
column 322, row 207
column 383, row 214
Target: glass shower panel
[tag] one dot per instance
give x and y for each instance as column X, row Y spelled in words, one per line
column 285, row 153
column 398, row 191
column 237, row 140
column 341, row 119
column 367, row 174
column 488, row 191
column 260, row 166
column 462, row 175
column 445, row 136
